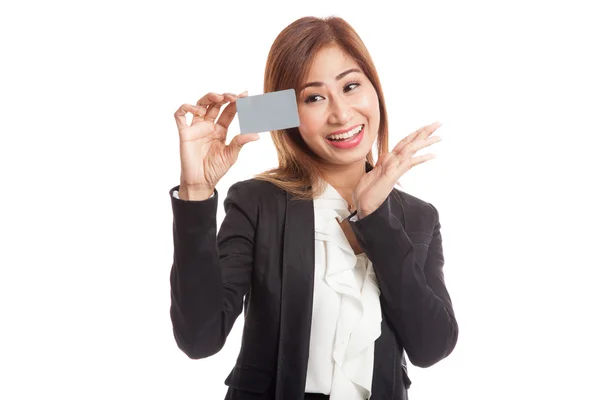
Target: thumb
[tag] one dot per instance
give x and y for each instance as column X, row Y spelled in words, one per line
column 238, row 141
column 242, row 139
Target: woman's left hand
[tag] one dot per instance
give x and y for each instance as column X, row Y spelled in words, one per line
column 375, row 186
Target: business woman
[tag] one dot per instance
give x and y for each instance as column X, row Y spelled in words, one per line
column 338, row 272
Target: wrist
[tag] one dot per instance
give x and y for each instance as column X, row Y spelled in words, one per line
column 194, row 193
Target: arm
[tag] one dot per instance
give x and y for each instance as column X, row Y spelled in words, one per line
column 414, row 297
column 210, row 274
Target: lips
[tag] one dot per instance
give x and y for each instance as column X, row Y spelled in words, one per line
column 347, row 140
column 345, row 134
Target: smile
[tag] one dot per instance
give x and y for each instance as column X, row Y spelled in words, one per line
column 346, row 135
column 347, row 140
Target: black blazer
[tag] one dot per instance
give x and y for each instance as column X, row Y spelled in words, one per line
column 263, row 259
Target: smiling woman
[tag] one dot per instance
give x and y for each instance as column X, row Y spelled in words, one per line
column 333, row 299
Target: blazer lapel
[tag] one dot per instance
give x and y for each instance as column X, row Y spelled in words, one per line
column 296, row 299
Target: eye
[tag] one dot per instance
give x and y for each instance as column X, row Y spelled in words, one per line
column 351, row 86
column 312, row 98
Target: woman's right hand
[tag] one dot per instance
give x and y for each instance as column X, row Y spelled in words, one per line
column 205, row 158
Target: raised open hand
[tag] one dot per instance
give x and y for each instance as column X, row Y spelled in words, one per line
column 376, row 185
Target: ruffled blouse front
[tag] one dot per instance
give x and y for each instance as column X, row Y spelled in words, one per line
column 346, row 318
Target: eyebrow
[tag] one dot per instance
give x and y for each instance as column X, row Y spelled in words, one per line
column 337, row 78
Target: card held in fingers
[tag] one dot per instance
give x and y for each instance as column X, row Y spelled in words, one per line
column 268, row 112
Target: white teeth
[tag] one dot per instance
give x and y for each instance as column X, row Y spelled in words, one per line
column 346, row 135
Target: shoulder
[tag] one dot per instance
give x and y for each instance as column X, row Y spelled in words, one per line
column 255, row 190
column 258, row 200
column 253, row 195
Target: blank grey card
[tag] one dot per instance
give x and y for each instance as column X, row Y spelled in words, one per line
column 268, row 112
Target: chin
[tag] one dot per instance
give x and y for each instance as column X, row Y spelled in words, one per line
column 348, row 157
column 360, row 155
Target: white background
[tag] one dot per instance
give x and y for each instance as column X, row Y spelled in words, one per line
column 89, row 150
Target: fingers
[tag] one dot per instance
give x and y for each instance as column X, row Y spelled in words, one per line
column 207, row 109
column 401, row 159
column 212, row 103
column 209, row 99
column 418, row 144
column 419, row 134
column 180, row 119
column 212, row 110
column 421, row 159
column 227, row 115
column 395, row 166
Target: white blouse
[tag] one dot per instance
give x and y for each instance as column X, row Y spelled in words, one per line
column 346, row 317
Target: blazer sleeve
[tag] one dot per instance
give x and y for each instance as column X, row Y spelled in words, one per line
column 211, row 273
column 414, row 297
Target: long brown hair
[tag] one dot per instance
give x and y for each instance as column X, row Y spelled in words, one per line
column 288, row 63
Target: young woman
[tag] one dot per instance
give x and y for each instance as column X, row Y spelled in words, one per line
column 339, row 273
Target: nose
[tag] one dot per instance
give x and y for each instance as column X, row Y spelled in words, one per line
column 339, row 110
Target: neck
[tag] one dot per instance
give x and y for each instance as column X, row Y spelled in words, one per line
column 344, row 179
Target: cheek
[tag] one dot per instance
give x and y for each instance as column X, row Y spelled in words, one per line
column 310, row 123
column 368, row 104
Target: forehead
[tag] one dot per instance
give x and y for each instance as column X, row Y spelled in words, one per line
column 329, row 62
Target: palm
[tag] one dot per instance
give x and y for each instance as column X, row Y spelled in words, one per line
column 203, row 154
column 378, row 176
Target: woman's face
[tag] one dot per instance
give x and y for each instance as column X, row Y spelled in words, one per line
column 338, row 109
